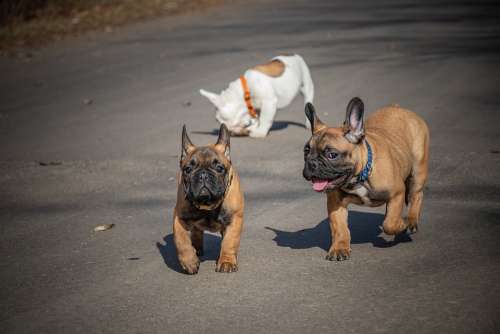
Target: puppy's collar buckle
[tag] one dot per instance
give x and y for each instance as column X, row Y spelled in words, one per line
column 247, row 97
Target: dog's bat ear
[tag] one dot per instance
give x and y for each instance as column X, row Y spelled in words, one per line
column 316, row 123
column 354, row 127
column 214, row 98
column 223, row 144
column 187, row 145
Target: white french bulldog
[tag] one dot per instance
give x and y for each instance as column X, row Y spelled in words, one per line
column 271, row 86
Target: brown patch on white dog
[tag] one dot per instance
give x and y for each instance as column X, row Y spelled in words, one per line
column 274, row 68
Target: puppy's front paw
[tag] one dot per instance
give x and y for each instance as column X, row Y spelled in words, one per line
column 338, row 254
column 412, row 226
column 258, row 133
column 190, row 266
column 226, row 267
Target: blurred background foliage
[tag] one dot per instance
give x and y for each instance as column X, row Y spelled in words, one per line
column 32, row 23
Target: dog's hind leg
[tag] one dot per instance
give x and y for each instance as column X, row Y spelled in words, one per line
column 417, row 182
column 393, row 222
column 416, row 195
column 307, row 87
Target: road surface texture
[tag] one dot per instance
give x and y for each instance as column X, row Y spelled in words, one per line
column 107, row 110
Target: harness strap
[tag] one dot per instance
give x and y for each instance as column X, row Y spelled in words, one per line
column 247, row 98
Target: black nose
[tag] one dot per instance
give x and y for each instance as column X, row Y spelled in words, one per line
column 203, row 175
column 312, row 164
column 204, row 195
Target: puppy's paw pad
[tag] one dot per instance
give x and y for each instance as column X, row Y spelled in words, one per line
column 338, row 255
column 226, row 267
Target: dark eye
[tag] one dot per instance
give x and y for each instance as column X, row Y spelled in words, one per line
column 219, row 168
column 188, row 169
column 331, row 155
column 307, row 149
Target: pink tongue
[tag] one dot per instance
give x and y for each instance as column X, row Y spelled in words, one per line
column 320, row 185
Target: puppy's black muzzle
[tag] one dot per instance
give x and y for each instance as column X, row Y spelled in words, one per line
column 310, row 167
column 205, row 188
column 316, row 169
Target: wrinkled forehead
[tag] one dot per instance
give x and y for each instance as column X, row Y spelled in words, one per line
column 331, row 137
column 205, row 155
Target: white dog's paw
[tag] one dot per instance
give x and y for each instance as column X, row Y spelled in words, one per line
column 307, row 124
column 258, row 133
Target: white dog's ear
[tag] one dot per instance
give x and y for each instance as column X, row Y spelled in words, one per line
column 214, row 98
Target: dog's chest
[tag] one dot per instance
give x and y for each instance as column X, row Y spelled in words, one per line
column 209, row 225
column 361, row 192
column 368, row 197
column 213, row 221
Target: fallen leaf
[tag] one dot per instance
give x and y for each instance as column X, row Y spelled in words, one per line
column 103, row 227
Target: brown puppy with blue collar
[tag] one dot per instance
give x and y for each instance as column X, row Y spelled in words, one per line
column 380, row 161
column 208, row 198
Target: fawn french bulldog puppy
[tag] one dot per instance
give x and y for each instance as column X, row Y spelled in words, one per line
column 208, row 198
column 382, row 160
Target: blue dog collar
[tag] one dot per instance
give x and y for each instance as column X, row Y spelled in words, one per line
column 363, row 176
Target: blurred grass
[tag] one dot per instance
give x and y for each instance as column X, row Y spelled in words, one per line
column 34, row 23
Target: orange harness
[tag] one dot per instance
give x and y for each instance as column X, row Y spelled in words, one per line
column 246, row 96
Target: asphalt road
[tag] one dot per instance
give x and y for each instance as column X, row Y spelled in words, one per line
column 119, row 156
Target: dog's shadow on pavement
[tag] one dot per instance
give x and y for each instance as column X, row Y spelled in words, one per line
column 277, row 126
column 211, row 247
column 281, row 125
column 365, row 228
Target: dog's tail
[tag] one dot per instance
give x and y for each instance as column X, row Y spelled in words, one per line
column 307, row 83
